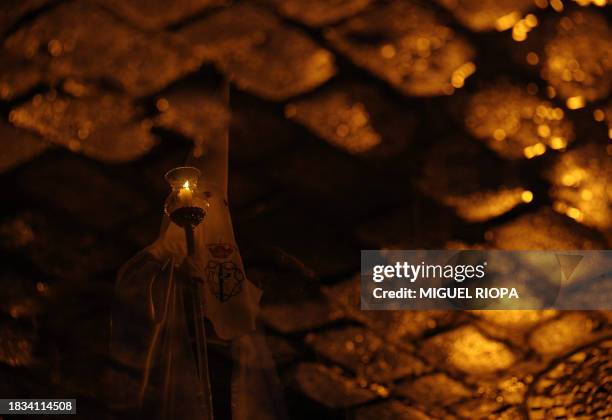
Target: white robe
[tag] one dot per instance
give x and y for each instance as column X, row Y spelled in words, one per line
column 149, row 324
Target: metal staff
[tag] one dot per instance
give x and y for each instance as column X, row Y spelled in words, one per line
column 188, row 218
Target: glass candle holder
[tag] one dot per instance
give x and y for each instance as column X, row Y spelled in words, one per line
column 185, row 192
column 186, row 204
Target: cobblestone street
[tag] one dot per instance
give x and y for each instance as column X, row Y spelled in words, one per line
column 355, row 124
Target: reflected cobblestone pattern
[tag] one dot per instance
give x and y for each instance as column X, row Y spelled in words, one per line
column 516, row 124
column 563, row 390
column 576, row 61
column 486, row 15
column 261, row 55
column 408, row 46
column 355, row 124
column 99, row 126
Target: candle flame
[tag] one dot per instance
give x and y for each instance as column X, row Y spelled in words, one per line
column 186, row 185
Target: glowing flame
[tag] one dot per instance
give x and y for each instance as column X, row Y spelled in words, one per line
column 186, row 185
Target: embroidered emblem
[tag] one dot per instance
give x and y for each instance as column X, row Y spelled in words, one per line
column 224, row 279
column 221, row 251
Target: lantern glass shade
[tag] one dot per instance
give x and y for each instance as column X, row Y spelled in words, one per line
column 185, row 192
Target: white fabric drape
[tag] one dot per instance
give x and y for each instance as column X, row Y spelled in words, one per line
column 153, row 310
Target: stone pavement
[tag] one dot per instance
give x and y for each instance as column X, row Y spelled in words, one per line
column 355, row 124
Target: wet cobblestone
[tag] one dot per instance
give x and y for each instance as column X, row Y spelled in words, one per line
column 329, row 387
column 320, row 12
column 158, row 14
column 356, row 119
column 355, row 124
column 435, row 389
column 83, row 41
column 100, row 127
column 582, row 377
column 487, row 15
column 523, row 126
column 476, row 193
column 406, row 45
column 263, row 57
column 568, row 69
column 467, row 351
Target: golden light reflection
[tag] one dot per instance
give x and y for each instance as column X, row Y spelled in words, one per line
column 486, row 15
column 388, row 51
column 162, row 104
column 99, row 126
column 598, row 3
column 481, row 206
column 42, row 287
column 462, row 73
column 557, row 336
column 571, row 387
column 339, row 119
column 469, row 351
column 522, row 27
column 542, row 230
column 259, row 53
column 507, row 21
column 417, row 53
column 87, row 42
column 581, row 186
column 557, row 143
column 576, row 60
column 557, row 5
column 575, row 102
column 532, row 58
column 575, row 214
column 516, row 319
column 515, row 123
